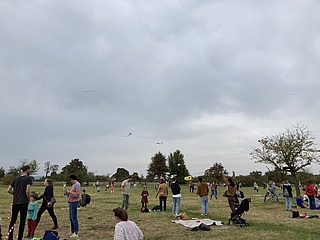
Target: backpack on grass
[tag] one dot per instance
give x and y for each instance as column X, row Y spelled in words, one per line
column 50, row 235
column 85, row 200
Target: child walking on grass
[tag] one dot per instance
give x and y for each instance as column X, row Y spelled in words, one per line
column 32, row 215
column 144, row 197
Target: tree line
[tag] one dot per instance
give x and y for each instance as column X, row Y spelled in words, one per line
column 289, row 154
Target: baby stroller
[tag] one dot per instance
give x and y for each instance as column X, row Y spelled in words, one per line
column 236, row 215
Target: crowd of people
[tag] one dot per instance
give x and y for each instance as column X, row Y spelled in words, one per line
column 25, row 203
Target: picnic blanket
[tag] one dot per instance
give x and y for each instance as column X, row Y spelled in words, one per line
column 196, row 222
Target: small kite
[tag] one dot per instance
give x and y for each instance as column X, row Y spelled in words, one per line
column 159, row 143
column 129, row 134
column 89, row 91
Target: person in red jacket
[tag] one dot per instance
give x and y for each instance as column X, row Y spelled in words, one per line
column 310, row 192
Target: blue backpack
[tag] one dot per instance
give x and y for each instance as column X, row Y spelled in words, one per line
column 50, row 235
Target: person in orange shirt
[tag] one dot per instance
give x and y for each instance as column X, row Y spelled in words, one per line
column 203, row 191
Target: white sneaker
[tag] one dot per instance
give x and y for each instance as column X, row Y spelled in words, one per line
column 69, row 234
column 74, row 235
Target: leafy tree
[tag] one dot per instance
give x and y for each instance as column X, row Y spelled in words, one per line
column 290, row 151
column 177, row 166
column 2, row 172
column 215, row 172
column 77, row 167
column 8, row 179
column 34, row 165
column 158, row 167
column 54, row 169
column 135, row 177
column 121, row 174
column 47, row 168
column 15, row 171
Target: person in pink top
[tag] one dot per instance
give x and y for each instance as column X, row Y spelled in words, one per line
column 73, row 199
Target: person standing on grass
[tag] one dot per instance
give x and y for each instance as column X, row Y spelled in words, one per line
column 203, row 191
column 20, row 189
column 255, row 186
column 163, row 194
column 144, row 197
column 231, row 190
column 213, row 190
column 191, row 186
column 310, row 192
column 46, row 203
column 176, row 197
column 32, row 215
column 125, row 191
column 73, row 196
column 125, row 229
column 287, row 194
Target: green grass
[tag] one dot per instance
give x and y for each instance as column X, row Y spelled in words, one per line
column 267, row 220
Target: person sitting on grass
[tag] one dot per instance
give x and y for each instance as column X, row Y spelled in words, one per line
column 125, row 229
column 299, row 201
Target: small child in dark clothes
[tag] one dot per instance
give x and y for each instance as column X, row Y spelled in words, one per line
column 144, row 197
column 299, row 201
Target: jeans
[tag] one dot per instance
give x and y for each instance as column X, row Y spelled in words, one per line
column 176, row 205
column 23, row 209
column 288, row 203
column 73, row 216
column 164, row 200
column 204, row 204
column 125, row 201
column 213, row 193
column 311, row 203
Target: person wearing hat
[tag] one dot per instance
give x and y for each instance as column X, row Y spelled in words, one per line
column 32, row 215
column 125, row 191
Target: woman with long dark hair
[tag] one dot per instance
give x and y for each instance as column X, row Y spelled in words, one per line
column 47, row 204
column 230, row 192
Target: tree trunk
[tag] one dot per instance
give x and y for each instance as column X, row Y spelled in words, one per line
column 296, row 183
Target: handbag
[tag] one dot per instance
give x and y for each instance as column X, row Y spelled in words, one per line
column 52, row 201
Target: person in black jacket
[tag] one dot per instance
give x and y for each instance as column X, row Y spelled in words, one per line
column 46, row 203
column 176, row 195
column 287, row 194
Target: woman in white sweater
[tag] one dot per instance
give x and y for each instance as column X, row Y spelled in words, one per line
column 125, row 229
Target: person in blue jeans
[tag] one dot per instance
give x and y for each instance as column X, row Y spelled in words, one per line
column 203, row 191
column 287, row 194
column 74, row 196
column 213, row 188
column 176, row 197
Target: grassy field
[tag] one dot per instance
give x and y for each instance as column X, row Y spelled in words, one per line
column 267, row 220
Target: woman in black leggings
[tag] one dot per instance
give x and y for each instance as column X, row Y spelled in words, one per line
column 46, row 204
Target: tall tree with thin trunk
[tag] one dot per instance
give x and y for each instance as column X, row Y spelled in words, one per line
column 290, row 151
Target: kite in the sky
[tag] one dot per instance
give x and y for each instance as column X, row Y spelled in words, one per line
column 159, row 143
column 129, row 134
column 89, row 91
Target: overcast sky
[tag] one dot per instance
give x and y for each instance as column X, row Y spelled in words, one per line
column 208, row 78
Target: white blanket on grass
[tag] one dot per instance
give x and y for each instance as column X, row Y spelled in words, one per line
column 197, row 222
